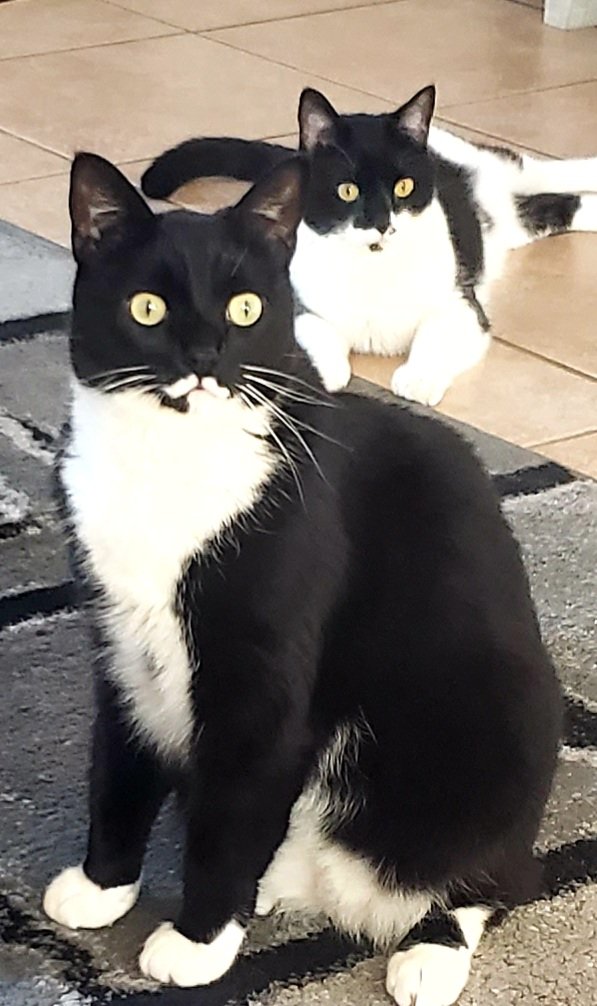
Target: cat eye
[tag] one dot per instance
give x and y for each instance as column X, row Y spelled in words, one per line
column 348, row 191
column 403, row 188
column 148, row 308
column 244, row 309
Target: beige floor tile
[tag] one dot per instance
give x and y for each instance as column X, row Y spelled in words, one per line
column 579, row 453
column 511, row 394
column 472, row 49
column 20, row 160
column 35, row 26
column 559, row 122
column 40, row 205
column 202, row 15
column 546, row 301
column 130, row 101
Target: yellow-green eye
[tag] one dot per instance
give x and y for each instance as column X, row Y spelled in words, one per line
column 244, row 309
column 348, row 191
column 403, row 188
column 148, row 308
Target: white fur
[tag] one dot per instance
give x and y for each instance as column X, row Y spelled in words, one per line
column 168, row 956
column 406, row 295
column 432, row 975
column 151, row 487
column 73, row 900
column 312, row 873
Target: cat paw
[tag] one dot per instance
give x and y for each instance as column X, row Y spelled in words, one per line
column 335, row 373
column 73, row 900
column 428, row 975
column 168, row 956
column 264, row 905
column 418, row 386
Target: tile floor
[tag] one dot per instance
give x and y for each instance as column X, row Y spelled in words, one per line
column 128, row 77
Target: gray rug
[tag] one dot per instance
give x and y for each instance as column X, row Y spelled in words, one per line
column 541, row 955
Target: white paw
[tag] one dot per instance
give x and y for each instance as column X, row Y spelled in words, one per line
column 73, row 900
column 335, row 372
column 418, row 386
column 265, row 904
column 168, row 956
column 428, row 975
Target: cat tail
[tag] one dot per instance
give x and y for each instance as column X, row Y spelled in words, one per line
column 247, row 160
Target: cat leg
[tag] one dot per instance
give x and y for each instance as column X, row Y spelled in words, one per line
column 238, row 806
column 544, row 214
column 127, row 788
column 447, row 343
column 326, row 349
column 432, row 966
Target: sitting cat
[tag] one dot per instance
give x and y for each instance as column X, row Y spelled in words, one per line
column 401, row 239
column 313, row 621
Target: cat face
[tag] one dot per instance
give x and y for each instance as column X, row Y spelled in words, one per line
column 180, row 301
column 366, row 170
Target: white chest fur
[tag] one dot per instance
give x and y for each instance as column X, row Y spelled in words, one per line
column 376, row 300
column 149, row 488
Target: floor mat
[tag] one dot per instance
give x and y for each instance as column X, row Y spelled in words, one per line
column 542, row 954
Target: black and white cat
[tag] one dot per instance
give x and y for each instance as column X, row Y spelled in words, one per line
column 401, row 240
column 313, row 621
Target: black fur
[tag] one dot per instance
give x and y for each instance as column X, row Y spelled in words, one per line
column 547, row 213
column 383, row 588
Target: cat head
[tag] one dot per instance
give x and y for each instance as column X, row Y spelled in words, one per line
column 179, row 301
column 366, row 169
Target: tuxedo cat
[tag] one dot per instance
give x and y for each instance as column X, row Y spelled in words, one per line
column 401, row 238
column 312, row 620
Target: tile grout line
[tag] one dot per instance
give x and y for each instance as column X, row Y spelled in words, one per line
column 149, row 17
column 443, row 121
column 298, row 69
column 557, row 440
column 179, row 33
column 294, row 17
column 546, row 359
column 516, row 94
column 209, row 37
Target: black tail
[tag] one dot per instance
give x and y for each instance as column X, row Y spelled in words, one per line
column 247, row 160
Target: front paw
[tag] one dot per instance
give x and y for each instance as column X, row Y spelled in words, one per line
column 335, row 372
column 73, row 900
column 419, row 386
column 428, row 975
column 168, row 956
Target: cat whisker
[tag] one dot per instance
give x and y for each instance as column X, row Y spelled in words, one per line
column 302, row 400
column 117, row 371
column 244, row 396
column 143, row 383
column 295, row 396
column 324, row 396
column 290, row 425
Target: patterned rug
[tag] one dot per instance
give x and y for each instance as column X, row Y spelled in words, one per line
column 543, row 954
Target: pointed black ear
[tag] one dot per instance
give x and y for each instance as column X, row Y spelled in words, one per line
column 276, row 203
column 415, row 116
column 103, row 205
column 317, row 120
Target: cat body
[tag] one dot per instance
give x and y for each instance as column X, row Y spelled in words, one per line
column 313, row 621
column 390, row 274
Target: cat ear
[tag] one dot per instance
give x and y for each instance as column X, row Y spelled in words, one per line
column 277, row 202
column 317, row 120
column 415, row 116
column 103, row 204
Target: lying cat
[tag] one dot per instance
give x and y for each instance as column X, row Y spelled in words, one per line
column 313, row 621
column 401, row 240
